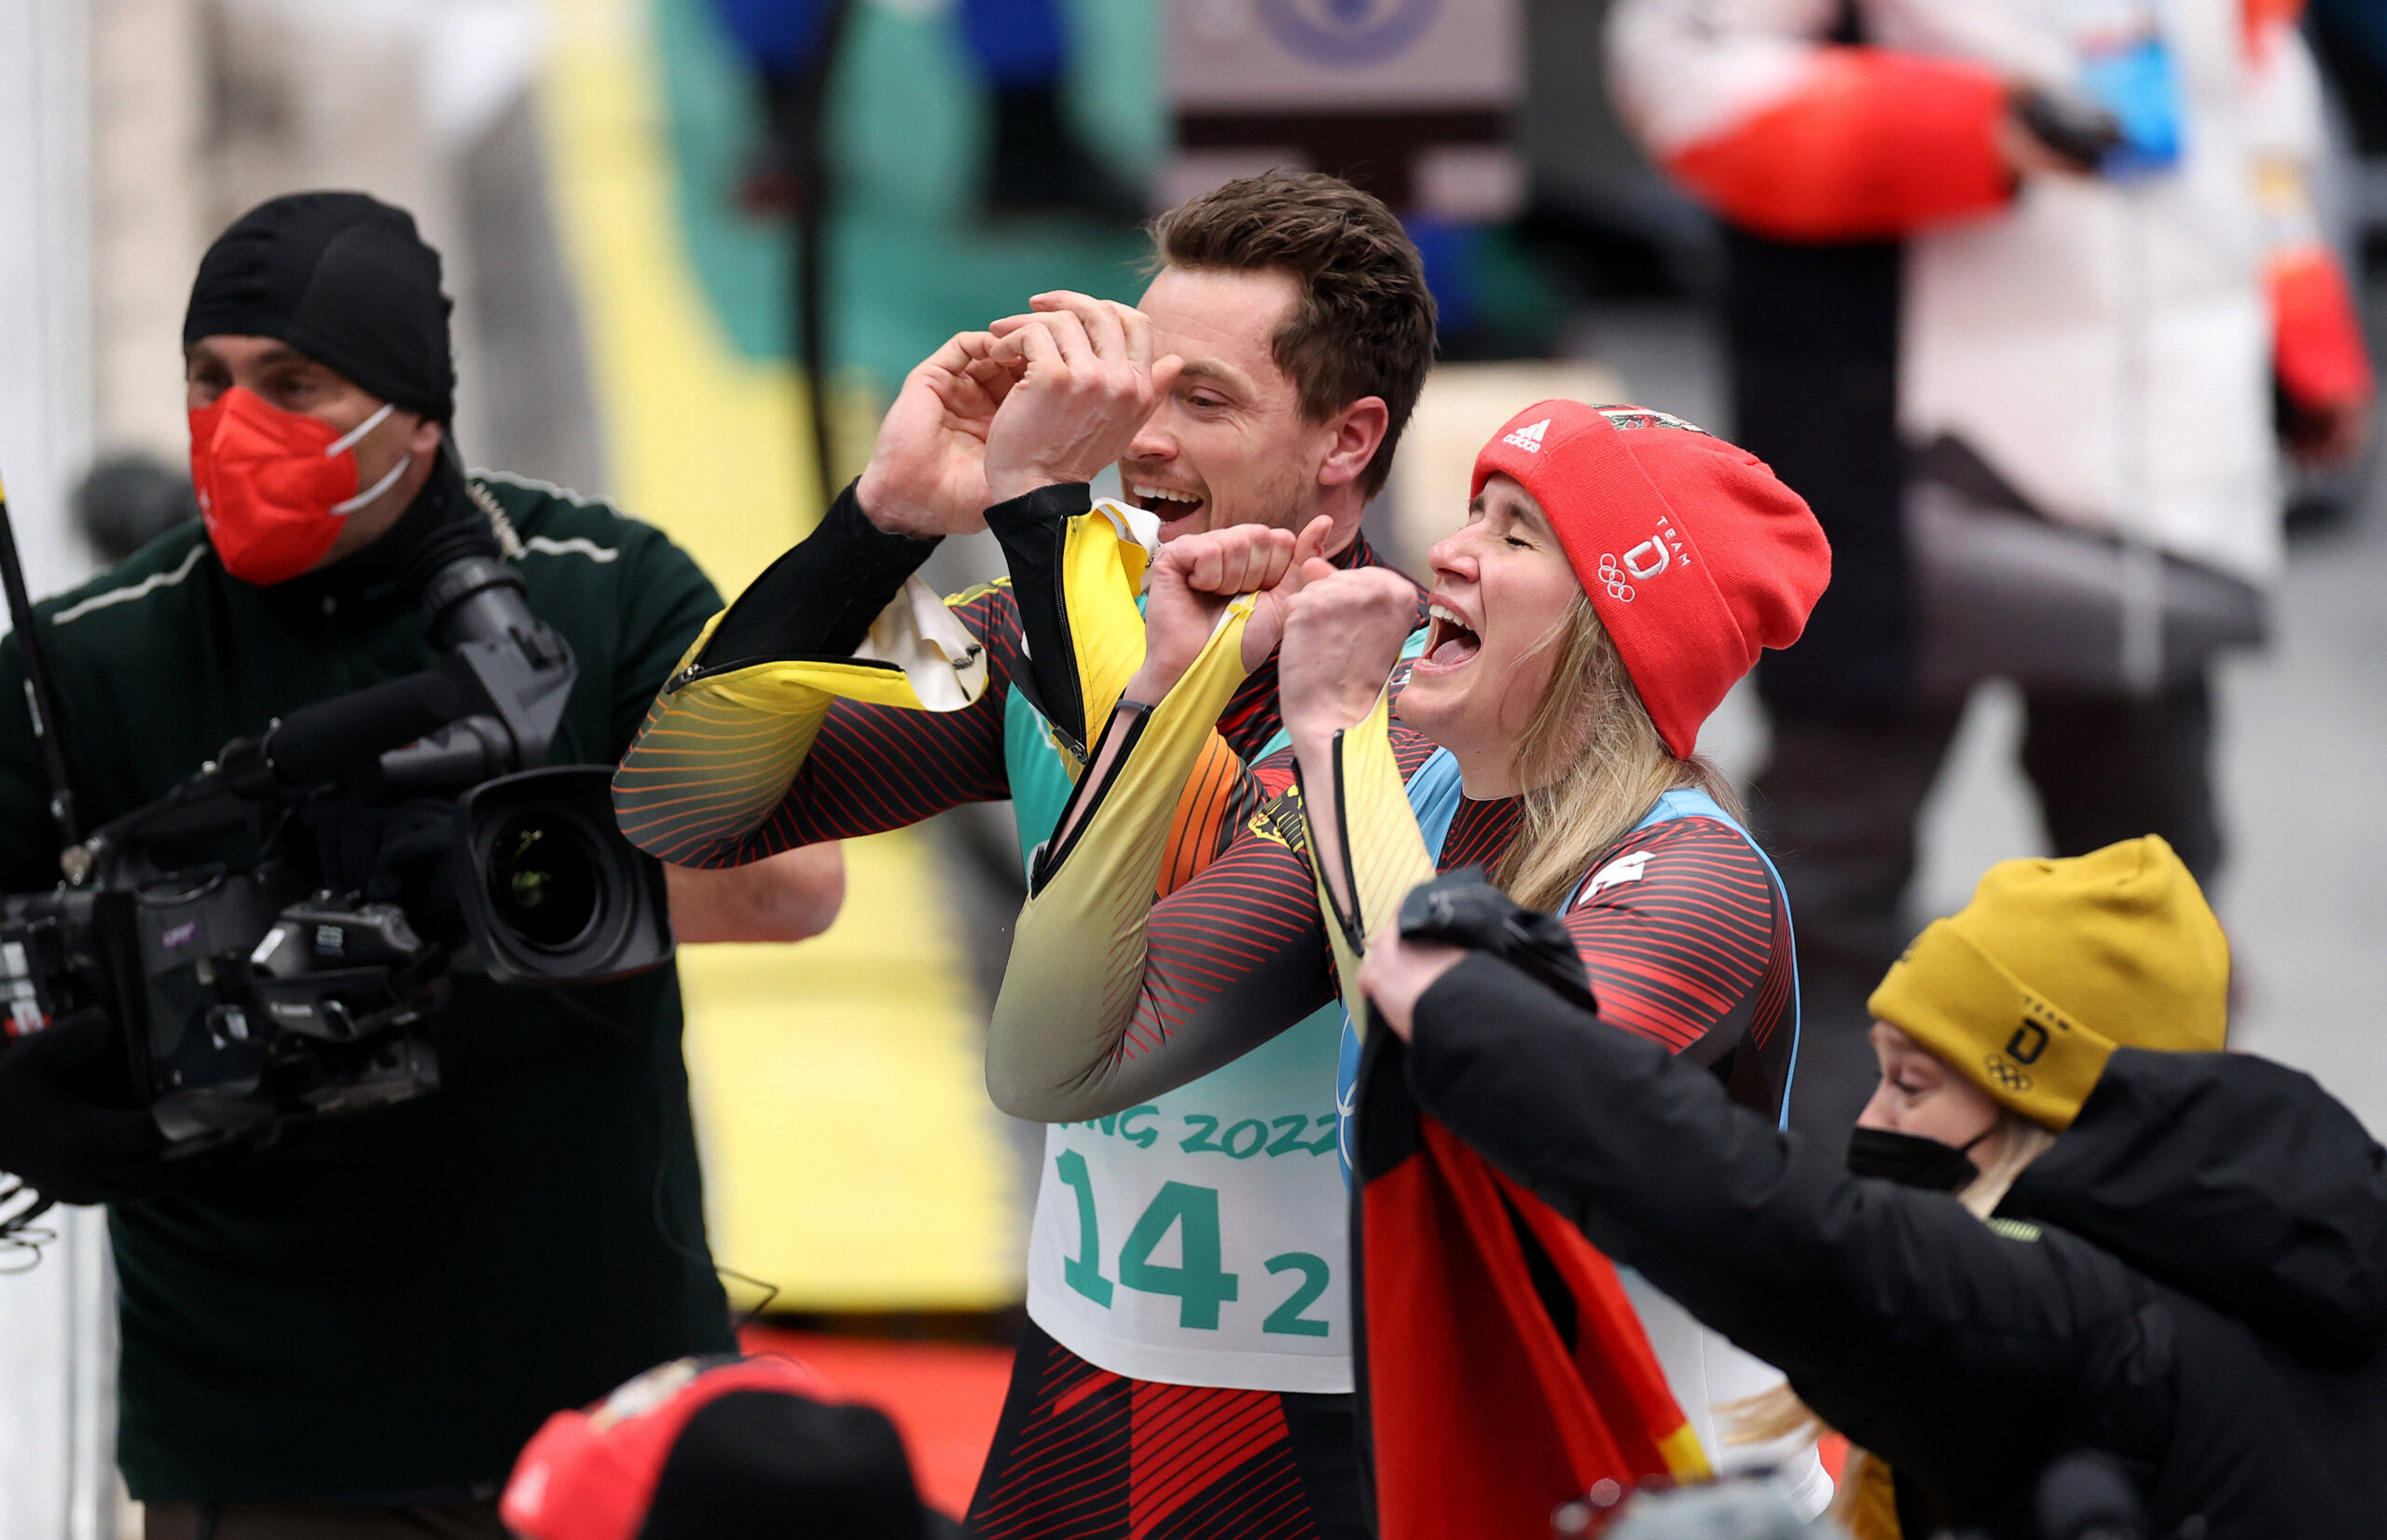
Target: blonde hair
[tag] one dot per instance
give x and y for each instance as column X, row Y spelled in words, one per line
column 1592, row 762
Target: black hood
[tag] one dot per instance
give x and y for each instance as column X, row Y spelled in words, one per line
column 2233, row 1179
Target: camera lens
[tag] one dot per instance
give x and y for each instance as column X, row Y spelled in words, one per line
column 558, row 894
column 544, row 877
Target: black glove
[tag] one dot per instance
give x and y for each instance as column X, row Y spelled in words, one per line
column 67, row 1126
column 2079, row 133
column 1462, row 908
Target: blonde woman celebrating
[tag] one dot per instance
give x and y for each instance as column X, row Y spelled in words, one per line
column 1619, row 570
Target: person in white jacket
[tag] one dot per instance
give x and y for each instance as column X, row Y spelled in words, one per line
column 2023, row 296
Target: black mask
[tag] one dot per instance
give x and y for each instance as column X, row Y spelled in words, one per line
column 1910, row 1159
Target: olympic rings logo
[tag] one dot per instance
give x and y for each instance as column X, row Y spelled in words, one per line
column 1613, row 574
column 2006, row 1074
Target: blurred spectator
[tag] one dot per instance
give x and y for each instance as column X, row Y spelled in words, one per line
column 719, row 1449
column 128, row 499
column 2009, row 286
column 1037, row 164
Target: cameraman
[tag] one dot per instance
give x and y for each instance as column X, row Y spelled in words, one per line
column 352, row 1331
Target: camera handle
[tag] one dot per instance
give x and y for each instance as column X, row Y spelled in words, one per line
column 476, row 610
column 523, row 669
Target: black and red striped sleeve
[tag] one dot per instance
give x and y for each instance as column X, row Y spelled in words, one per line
column 719, row 778
column 879, row 767
column 1234, row 955
column 779, row 728
column 1111, row 997
column 1238, row 953
column 1686, row 942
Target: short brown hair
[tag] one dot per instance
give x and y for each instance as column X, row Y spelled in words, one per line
column 1365, row 322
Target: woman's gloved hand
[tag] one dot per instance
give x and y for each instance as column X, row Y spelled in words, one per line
column 1462, row 908
column 1459, row 912
column 68, row 1127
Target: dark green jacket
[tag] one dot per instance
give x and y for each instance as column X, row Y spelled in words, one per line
column 389, row 1304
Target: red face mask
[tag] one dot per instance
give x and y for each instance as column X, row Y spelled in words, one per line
column 275, row 487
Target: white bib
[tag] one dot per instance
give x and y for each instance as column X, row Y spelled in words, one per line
column 1203, row 1239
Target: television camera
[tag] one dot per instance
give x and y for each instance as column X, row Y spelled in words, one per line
column 294, row 984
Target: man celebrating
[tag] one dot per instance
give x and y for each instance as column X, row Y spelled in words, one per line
column 1263, row 378
column 352, row 1331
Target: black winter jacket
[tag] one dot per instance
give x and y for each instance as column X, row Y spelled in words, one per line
column 2193, row 1278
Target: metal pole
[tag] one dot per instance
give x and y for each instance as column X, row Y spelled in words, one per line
column 41, row 701
column 810, row 254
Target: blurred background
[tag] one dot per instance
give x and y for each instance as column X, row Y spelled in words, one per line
column 695, row 245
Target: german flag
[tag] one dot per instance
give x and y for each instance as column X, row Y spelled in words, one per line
column 1503, row 1370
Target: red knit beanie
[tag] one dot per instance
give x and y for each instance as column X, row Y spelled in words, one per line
column 1694, row 555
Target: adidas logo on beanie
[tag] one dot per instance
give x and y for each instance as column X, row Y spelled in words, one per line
column 1528, row 438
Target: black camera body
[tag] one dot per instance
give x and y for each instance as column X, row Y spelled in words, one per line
column 220, row 1044
column 253, row 993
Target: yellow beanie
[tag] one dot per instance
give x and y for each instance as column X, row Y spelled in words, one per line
column 2029, row 988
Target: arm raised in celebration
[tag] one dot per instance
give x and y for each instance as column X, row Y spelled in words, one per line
column 838, row 695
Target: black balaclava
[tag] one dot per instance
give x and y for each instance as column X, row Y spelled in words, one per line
column 343, row 279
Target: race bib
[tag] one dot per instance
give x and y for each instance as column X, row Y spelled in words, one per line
column 1202, row 1238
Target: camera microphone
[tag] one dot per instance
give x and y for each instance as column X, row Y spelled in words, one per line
column 461, row 581
column 315, row 743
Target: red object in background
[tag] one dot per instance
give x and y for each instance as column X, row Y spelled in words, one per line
column 1833, row 1453
column 2265, row 18
column 943, row 1397
column 590, row 1472
column 1874, row 144
column 2317, row 347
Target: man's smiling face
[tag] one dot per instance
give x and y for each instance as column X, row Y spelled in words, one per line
column 1230, row 444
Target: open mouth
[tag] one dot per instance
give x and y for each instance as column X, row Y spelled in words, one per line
column 1165, row 503
column 1450, row 641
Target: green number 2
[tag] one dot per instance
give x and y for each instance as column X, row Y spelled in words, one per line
column 1286, row 1319
column 1199, row 1282
column 1083, row 1271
